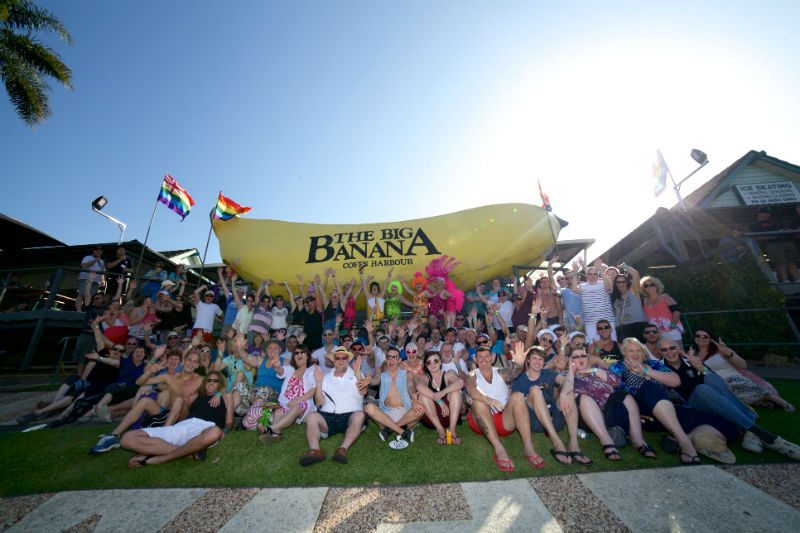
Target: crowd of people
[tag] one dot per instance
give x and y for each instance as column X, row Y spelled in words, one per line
column 593, row 348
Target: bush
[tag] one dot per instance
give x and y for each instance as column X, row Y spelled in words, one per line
column 714, row 286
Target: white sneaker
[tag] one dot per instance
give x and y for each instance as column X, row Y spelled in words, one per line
column 103, row 413
column 751, row 443
column 784, row 447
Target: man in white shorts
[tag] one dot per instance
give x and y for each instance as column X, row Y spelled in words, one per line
column 210, row 411
column 399, row 408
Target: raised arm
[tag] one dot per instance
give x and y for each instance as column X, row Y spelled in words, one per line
column 236, row 298
column 221, row 277
column 636, row 278
column 517, row 360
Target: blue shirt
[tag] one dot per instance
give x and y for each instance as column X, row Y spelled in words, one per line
column 547, row 382
column 128, row 372
column 230, row 311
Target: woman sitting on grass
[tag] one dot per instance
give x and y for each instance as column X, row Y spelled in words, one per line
column 440, row 394
column 295, row 397
column 602, row 408
column 731, row 367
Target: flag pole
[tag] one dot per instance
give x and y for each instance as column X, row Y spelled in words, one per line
column 676, row 188
column 547, row 213
column 208, row 240
column 146, row 237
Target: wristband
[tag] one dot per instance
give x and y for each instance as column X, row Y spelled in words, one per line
column 217, row 395
column 440, row 402
column 594, row 372
column 646, row 369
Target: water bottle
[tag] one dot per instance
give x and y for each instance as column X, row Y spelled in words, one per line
column 583, row 434
column 448, row 437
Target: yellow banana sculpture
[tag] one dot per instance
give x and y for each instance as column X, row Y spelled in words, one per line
column 487, row 241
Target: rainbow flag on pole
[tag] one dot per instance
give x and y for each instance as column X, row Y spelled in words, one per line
column 227, row 209
column 175, row 197
column 660, row 172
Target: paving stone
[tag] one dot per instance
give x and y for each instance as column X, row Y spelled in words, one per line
column 290, row 509
column 496, row 507
column 122, row 511
column 575, row 507
column 695, row 498
column 12, row 510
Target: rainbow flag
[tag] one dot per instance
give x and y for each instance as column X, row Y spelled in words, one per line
column 175, row 197
column 660, row 172
column 227, row 209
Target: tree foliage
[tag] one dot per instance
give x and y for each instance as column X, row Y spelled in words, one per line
column 25, row 62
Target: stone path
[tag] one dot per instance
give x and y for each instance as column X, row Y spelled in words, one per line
column 686, row 499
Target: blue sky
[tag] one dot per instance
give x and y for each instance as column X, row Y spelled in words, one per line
column 348, row 112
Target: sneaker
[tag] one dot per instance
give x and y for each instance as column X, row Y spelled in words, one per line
column 408, row 435
column 340, row 456
column 106, row 444
column 784, row 447
column 384, row 434
column 751, row 443
column 24, row 420
column 399, row 443
column 103, row 413
column 618, row 436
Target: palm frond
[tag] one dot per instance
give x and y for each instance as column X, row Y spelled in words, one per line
column 26, row 89
column 44, row 59
column 25, row 15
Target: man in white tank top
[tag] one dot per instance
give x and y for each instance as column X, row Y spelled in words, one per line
column 496, row 413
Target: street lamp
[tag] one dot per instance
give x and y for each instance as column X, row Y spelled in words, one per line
column 98, row 204
column 702, row 159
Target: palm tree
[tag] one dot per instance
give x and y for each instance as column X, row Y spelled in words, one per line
column 25, row 62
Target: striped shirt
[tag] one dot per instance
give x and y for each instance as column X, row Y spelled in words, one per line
column 262, row 321
column 595, row 303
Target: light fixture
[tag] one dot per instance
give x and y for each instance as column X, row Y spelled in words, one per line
column 699, row 156
column 99, row 203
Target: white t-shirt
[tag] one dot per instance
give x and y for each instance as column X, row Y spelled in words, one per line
column 462, row 365
column 98, row 266
column 244, row 316
column 205, row 316
column 506, row 309
column 344, row 391
column 279, row 315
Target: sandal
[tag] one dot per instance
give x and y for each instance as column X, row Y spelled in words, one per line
column 456, row 440
column 577, row 456
column 535, row 461
column 441, row 440
column 558, row 455
column 611, row 452
column 692, row 459
column 646, row 451
column 504, row 465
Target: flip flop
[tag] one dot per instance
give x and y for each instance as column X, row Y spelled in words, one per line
column 504, row 465
column 441, row 440
column 456, row 440
column 133, row 462
column 693, row 459
column 559, row 454
column 578, row 455
column 535, row 461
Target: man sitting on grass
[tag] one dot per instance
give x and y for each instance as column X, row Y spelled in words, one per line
column 494, row 412
column 399, row 410
column 182, row 389
column 210, row 412
column 340, row 397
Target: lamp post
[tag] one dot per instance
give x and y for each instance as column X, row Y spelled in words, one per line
column 97, row 205
column 701, row 159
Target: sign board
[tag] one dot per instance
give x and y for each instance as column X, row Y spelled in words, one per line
column 782, row 192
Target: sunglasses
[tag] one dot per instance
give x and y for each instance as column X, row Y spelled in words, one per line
column 621, row 282
column 651, row 332
column 212, row 380
column 668, row 349
column 603, row 328
column 483, row 343
column 342, row 358
column 205, row 350
column 429, row 361
column 580, row 357
column 700, row 336
column 357, row 348
column 649, row 285
column 131, row 344
column 392, row 357
column 117, row 349
column 411, row 351
column 300, row 352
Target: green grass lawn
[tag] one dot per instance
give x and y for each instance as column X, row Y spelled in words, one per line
column 57, row 460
